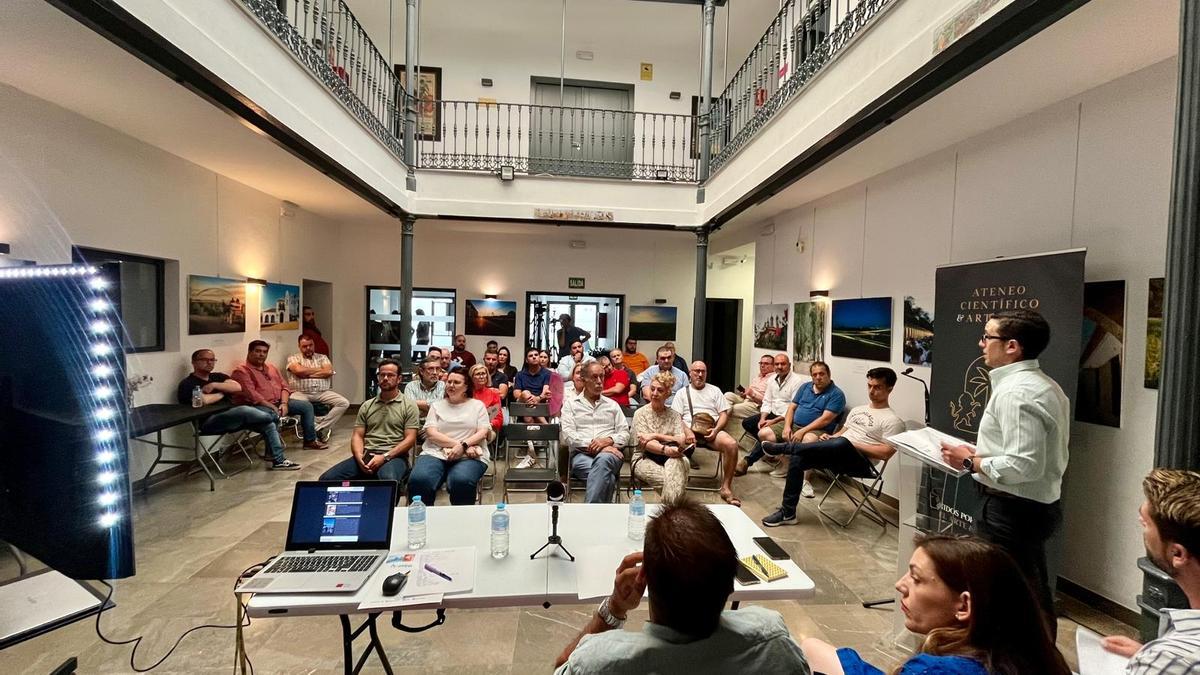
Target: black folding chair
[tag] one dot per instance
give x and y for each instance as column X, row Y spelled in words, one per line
column 532, row 479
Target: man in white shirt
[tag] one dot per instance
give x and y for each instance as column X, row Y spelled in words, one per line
column 309, row 374
column 662, row 363
column 853, row 450
column 747, row 401
column 566, row 364
column 697, row 400
column 769, row 424
column 1170, row 519
column 595, row 431
column 1020, row 453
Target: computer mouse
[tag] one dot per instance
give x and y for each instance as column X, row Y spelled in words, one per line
column 394, row 583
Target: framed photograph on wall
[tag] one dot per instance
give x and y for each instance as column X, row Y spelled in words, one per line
column 216, row 305
column 429, row 97
column 652, row 322
column 862, row 329
column 280, row 307
column 491, row 317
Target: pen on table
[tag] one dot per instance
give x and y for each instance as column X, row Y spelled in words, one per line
column 760, row 565
column 438, row 572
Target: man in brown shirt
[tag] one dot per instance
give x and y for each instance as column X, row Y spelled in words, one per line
column 263, row 387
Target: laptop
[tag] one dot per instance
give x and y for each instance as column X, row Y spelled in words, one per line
column 338, row 535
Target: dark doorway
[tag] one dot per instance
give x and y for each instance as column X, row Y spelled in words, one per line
column 722, row 317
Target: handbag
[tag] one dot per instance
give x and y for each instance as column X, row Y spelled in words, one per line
column 703, row 423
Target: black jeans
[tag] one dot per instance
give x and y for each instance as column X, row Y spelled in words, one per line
column 837, row 454
column 1021, row 527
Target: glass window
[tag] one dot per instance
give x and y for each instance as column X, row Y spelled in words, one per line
column 140, row 282
column 433, row 324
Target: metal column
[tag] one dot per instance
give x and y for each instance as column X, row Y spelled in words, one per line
column 410, row 102
column 698, row 308
column 406, row 290
column 1177, row 441
column 706, row 63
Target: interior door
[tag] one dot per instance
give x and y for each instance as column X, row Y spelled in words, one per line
column 585, row 131
column 721, row 341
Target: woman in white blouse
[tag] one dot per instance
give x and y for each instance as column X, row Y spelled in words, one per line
column 455, row 449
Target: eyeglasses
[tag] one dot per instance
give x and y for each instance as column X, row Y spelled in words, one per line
column 208, row 360
column 987, row 337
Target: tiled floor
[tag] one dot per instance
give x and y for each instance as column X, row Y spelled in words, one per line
column 192, row 543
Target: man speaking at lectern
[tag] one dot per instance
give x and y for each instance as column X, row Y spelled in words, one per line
column 1021, row 450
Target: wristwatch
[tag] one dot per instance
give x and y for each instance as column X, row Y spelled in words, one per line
column 968, row 464
column 607, row 616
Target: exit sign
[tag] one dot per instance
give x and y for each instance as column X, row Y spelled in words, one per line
column 575, row 282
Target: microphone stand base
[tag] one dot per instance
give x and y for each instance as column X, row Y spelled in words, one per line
column 556, row 541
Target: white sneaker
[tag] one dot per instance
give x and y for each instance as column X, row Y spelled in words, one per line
column 807, row 491
column 527, row 462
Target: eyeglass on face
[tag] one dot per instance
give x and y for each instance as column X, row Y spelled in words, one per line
column 987, row 337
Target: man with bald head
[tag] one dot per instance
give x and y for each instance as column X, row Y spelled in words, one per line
column 705, row 412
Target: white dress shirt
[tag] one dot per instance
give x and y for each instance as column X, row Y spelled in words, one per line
column 566, row 366
column 583, row 422
column 1177, row 652
column 1023, row 434
column 779, row 396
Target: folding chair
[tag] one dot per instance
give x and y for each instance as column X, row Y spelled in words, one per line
column 625, row 475
column 861, row 501
column 531, row 479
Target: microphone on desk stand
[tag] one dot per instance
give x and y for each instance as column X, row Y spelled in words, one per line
column 555, row 494
column 908, row 373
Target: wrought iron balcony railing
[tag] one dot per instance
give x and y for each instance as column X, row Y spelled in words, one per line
column 554, row 140
column 804, row 37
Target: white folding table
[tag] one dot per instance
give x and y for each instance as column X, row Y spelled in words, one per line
column 515, row 581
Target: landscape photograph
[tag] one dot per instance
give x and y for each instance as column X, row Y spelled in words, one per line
column 862, row 329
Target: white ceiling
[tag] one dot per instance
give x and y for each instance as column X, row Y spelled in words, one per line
column 51, row 56
column 1101, row 41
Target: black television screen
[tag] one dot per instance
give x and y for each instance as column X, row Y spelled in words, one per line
column 64, row 473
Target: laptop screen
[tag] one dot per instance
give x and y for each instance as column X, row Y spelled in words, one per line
column 342, row 514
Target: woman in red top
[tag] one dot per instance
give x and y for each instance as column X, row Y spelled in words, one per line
column 490, row 398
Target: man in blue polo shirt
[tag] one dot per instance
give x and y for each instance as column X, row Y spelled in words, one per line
column 662, row 364
column 814, row 410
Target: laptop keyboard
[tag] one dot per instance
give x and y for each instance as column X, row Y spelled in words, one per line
column 323, row 563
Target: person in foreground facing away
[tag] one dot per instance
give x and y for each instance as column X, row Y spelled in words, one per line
column 976, row 610
column 1170, row 519
column 687, row 563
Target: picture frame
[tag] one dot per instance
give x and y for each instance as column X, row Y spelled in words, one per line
column 429, row 93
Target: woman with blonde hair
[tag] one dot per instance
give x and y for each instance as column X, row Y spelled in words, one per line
column 976, row 610
column 661, row 460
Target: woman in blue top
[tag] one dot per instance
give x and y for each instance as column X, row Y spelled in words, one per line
column 975, row 609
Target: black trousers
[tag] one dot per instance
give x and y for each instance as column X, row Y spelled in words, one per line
column 1022, row 527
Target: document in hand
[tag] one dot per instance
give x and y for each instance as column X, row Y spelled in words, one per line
column 926, row 445
column 1093, row 658
column 442, row 570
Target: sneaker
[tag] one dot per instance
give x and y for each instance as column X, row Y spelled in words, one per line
column 527, row 462
column 774, row 449
column 807, row 491
column 285, row 465
column 780, row 470
column 316, row 445
column 325, row 434
column 778, row 518
column 694, row 464
column 773, row 461
column 742, row 467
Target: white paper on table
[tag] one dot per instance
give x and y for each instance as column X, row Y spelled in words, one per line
column 456, row 563
column 1093, row 658
column 397, row 601
column 926, row 445
column 596, row 568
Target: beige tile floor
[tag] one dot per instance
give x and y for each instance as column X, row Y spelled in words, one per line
column 192, row 543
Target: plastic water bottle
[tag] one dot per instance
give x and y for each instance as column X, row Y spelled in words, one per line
column 500, row 532
column 416, row 523
column 197, row 398
column 637, row 516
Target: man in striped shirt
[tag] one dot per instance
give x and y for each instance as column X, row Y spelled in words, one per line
column 1170, row 519
column 309, row 374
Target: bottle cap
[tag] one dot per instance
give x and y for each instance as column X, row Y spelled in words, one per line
column 416, row 498
column 637, row 493
column 500, row 506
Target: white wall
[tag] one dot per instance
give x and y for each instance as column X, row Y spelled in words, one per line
column 1092, row 171
column 731, row 275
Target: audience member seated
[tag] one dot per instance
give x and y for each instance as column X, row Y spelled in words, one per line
column 309, row 373
column 747, row 401
column 661, row 458
column 576, row 357
column 455, row 450
column 676, row 360
column 569, row 333
column 1170, row 518
column 532, row 387
column 705, row 411
column 385, row 430
column 506, row 363
column 853, row 450
column 460, row 354
column 263, row 387
column 633, row 359
column 595, row 432
column 483, row 392
column 974, row 607
column 574, row 386
column 427, row 388
column 215, row 387
column 544, row 358
column 687, row 564
column 616, row 382
column 662, row 364
column 449, row 365
column 772, row 414
column 617, row 357
column 810, row 409
column 436, row 353
column 497, row 379
column 310, row 330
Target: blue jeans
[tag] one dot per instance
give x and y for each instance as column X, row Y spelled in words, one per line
column 460, row 476
column 837, row 454
column 248, row 417
column 601, row 472
column 347, row 469
column 308, row 417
